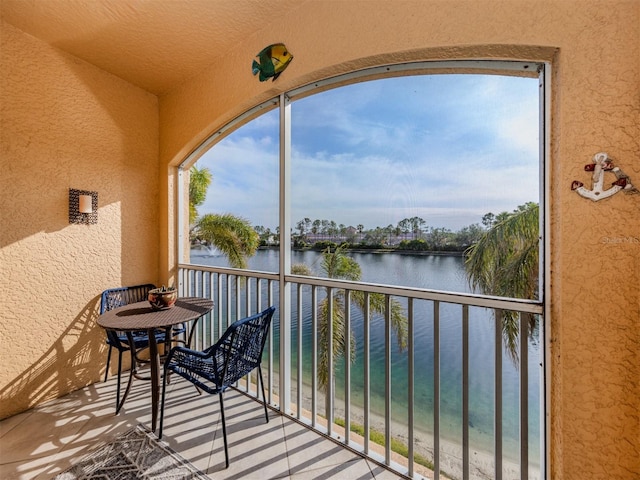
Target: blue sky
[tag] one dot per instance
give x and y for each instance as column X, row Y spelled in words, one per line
column 446, row 148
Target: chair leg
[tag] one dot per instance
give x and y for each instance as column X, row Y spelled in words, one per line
column 224, row 432
column 264, row 397
column 106, row 373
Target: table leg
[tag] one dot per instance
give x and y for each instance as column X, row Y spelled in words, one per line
column 155, row 377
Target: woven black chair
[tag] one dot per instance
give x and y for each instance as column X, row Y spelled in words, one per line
column 214, row 370
column 122, row 341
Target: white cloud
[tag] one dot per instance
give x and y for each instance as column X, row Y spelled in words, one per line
column 447, row 149
column 245, row 179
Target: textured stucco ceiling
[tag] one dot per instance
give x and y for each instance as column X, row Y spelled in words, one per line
column 155, row 44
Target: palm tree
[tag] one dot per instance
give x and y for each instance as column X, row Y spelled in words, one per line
column 504, row 262
column 233, row 236
column 338, row 265
column 199, row 181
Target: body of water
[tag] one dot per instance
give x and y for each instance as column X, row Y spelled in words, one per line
column 439, row 272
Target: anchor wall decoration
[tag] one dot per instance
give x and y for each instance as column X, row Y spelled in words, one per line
column 601, row 163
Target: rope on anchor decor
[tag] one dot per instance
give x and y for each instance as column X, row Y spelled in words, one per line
column 601, row 163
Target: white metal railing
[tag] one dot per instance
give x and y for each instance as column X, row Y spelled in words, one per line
column 238, row 293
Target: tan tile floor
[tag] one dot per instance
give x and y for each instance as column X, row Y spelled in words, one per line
column 42, row 442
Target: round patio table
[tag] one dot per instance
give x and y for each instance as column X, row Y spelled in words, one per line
column 140, row 316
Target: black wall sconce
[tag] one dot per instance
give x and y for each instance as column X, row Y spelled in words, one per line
column 83, row 206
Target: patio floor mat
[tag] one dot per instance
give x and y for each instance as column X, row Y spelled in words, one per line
column 135, row 454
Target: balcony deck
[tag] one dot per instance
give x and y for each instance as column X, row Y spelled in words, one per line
column 44, row 441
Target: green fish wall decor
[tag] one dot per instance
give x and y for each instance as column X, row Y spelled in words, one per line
column 273, row 60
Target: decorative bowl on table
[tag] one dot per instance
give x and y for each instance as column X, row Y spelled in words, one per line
column 162, row 298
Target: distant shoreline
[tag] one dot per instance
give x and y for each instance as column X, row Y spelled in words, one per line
column 423, row 253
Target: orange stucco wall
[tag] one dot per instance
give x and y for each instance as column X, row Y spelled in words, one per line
column 66, row 124
column 594, row 294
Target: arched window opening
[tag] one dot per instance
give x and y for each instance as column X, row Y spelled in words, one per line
column 423, row 186
column 421, row 163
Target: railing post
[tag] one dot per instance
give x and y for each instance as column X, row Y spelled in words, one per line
column 330, row 376
column 299, row 353
column 347, row 366
column 314, row 355
column 270, row 374
column 524, row 397
column 367, row 371
column 410, row 374
column 387, row 380
column 465, row 392
column 436, row 390
column 497, row 422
